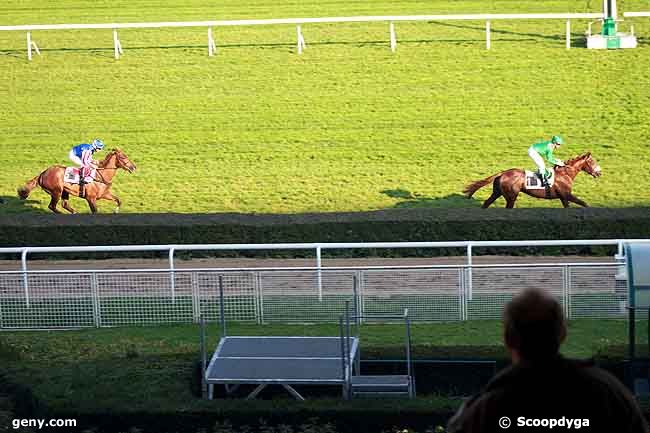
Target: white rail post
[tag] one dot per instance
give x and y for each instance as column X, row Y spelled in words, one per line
column 172, row 278
column 94, row 287
column 117, row 46
column 23, row 261
column 301, row 40
column 567, row 291
column 568, row 34
column 196, row 296
column 31, row 44
column 469, row 272
column 487, row 34
column 393, row 39
column 461, row 291
column 320, row 276
column 212, row 47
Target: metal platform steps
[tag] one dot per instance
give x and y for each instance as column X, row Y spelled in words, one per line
column 358, row 385
column 381, row 386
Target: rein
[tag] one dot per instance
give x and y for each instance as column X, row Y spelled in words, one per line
column 103, row 179
column 100, row 169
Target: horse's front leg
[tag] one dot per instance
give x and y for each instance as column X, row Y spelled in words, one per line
column 92, row 203
column 576, row 200
column 108, row 195
column 565, row 201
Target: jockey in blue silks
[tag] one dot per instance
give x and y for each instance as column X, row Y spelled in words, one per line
column 82, row 155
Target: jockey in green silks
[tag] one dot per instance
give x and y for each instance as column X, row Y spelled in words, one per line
column 544, row 151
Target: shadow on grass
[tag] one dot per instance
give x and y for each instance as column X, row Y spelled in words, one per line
column 410, row 200
column 531, row 36
column 9, row 204
column 109, row 51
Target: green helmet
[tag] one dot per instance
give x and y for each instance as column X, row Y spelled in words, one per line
column 557, row 140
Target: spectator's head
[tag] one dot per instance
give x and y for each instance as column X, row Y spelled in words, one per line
column 533, row 326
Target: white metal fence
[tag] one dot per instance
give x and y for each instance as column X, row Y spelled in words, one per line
column 451, row 292
column 299, row 22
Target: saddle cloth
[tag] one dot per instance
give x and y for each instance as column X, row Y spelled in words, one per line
column 534, row 182
column 71, row 175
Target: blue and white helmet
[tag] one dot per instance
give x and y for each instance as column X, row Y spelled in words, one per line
column 98, row 144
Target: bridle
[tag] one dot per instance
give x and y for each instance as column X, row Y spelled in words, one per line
column 99, row 170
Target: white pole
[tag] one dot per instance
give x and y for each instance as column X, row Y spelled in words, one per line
column 116, row 44
column 301, row 40
column 469, row 271
column 23, row 261
column 393, row 39
column 29, row 45
column 212, row 47
column 487, row 35
column 568, row 34
column 320, row 276
column 172, row 278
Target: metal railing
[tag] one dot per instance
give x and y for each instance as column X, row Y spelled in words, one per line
column 432, row 292
column 99, row 298
column 636, row 14
column 318, row 248
column 212, row 47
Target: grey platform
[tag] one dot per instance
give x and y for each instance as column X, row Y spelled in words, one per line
column 284, row 361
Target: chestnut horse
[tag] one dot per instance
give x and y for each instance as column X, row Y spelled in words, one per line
column 510, row 183
column 51, row 180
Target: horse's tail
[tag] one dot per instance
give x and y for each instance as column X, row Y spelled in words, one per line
column 475, row 186
column 23, row 191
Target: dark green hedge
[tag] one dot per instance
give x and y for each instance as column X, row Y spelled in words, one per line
column 381, row 226
column 277, row 409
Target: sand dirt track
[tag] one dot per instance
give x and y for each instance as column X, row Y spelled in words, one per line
column 250, row 263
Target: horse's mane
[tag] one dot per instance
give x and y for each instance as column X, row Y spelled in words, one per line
column 578, row 158
column 108, row 156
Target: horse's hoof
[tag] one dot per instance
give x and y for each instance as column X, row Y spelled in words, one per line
column 116, row 210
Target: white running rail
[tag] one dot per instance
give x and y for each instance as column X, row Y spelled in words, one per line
column 298, row 22
column 636, row 14
column 77, row 296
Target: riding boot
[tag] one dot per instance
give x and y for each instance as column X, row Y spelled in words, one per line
column 81, row 188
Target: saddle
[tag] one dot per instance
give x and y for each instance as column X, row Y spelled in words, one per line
column 71, row 175
column 533, row 181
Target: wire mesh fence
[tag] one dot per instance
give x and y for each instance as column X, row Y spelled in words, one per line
column 99, row 298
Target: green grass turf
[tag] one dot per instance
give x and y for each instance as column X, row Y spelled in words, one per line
column 118, row 311
column 150, row 368
column 347, row 126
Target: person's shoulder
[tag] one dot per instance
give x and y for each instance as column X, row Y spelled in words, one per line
column 495, row 389
column 600, row 376
column 600, row 383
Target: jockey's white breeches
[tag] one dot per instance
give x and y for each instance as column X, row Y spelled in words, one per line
column 84, row 163
column 537, row 159
column 74, row 158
